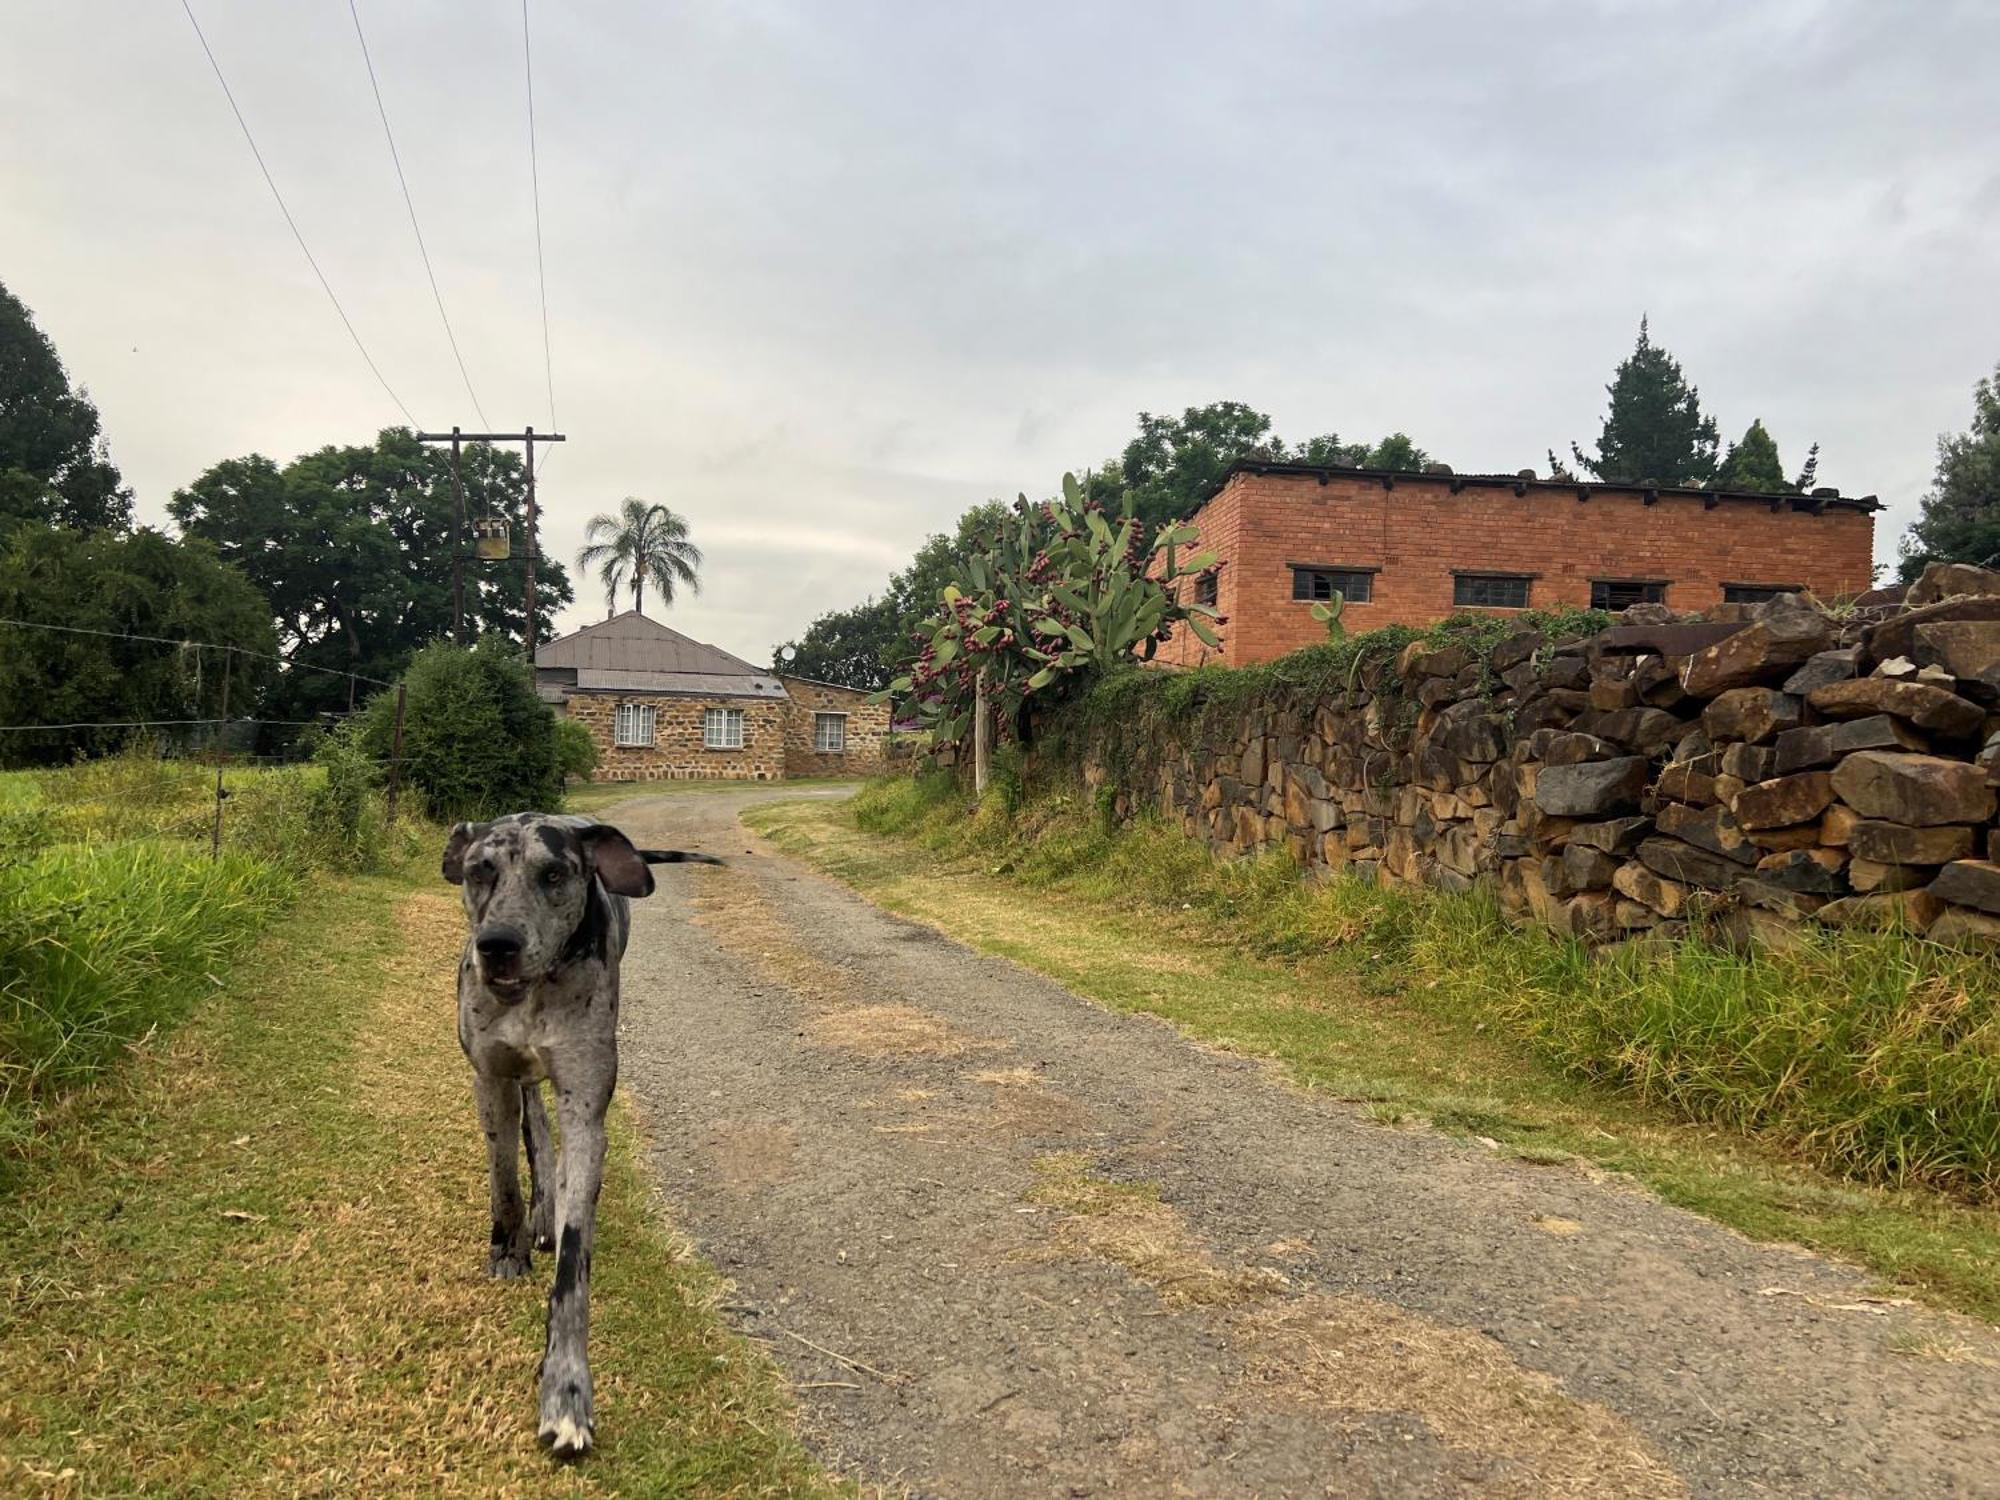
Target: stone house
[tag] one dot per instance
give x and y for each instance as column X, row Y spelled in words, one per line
column 1411, row 548
column 662, row 706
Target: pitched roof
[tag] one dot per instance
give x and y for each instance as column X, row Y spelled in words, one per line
column 632, row 653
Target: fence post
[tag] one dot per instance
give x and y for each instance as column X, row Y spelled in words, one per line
column 221, row 730
column 980, row 735
column 396, row 752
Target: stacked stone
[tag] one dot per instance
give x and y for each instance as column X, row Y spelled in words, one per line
column 1770, row 764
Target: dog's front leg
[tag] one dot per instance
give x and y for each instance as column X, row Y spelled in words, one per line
column 568, row 1422
column 541, row 1167
column 500, row 1117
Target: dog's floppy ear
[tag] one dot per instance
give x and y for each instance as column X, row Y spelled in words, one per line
column 617, row 863
column 454, row 850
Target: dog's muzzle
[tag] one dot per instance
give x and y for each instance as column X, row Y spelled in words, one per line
column 499, row 950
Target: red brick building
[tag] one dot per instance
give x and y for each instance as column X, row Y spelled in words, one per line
column 1407, row 549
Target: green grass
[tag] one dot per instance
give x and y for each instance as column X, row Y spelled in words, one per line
column 254, row 1262
column 114, row 917
column 1821, row 1097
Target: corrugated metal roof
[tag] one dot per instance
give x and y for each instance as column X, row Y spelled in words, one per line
column 633, row 643
column 704, row 684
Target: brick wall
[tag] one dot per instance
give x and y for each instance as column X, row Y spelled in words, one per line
column 1418, row 533
column 678, row 752
column 867, row 730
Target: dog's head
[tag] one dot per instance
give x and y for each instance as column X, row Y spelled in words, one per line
column 531, row 884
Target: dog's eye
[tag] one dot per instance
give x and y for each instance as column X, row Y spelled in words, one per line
column 554, row 875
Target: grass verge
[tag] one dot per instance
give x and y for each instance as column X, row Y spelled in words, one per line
column 253, row 1262
column 1399, row 1004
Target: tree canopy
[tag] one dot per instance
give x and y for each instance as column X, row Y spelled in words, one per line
column 1654, row 431
column 1960, row 519
column 54, row 466
column 352, row 546
column 1752, row 463
column 1176, row 463
column 124, row 584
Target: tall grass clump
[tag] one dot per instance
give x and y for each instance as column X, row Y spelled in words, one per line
column 114, row 915
column 1872, row 1055
column 101, row 944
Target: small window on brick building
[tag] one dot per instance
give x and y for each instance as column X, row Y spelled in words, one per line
column 1204, row 587
column 632, row 725
column 830, row 734
column 722, row 729
column 1623, row 593
column 1756, row 593
column 1490, row 590
column 1355, row 585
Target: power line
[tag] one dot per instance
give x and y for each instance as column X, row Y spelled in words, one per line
column 290, row 223
column 396, row 157
column 535, row 182
column 167, row 640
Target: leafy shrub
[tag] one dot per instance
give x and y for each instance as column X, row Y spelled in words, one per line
column 576, row 751
column 477, row 741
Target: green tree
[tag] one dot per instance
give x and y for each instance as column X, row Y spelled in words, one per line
column 851, row 647
column 53, row 463
column 1960, row 520
column 1176, row 463
column 477, row 741
column 641, row 541
column 1752, row 463
column 353, row 548
column 1654, row 432
column 123, row 584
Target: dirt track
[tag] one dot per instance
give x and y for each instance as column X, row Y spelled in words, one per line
column 1009, row 1243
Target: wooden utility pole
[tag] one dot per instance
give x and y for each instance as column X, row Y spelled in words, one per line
column 532, row 548
column 528, row 625
column 396, row 751
column 457, row 546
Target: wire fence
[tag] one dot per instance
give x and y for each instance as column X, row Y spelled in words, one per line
column 222, row 739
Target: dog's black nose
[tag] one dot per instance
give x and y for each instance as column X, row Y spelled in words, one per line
column 498, row 943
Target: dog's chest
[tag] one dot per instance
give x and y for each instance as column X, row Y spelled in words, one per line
column 530, row 1039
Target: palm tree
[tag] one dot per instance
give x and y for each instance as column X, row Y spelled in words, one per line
column 642, row 541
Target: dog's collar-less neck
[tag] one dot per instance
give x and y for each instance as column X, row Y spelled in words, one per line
column 585, row 939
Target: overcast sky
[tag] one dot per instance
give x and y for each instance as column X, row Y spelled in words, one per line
column 821, row 275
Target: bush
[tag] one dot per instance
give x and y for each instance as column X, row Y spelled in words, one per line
column 477, row 742
column 576, row 751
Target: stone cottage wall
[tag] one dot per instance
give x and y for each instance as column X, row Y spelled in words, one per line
column 867, row 730
column 1773, row 765
column 677, row 752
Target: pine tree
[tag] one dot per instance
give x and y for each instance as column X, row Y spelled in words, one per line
column 1654, row 432
column 1752, row 463
column 1960, row 521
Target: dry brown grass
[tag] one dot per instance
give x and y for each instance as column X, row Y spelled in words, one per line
column 1348, row 1356
column 260, row 1268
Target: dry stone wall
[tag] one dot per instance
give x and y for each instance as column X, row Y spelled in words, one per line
column 1769, row 765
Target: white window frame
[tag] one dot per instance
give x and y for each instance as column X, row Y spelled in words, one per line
column 823, row 717
column 635, row 726
column 722, row 729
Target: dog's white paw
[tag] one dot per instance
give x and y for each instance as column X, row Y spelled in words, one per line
column 507, row 1267
column 567, row 1436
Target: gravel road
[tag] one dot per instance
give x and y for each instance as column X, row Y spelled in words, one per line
column 1006, row 1242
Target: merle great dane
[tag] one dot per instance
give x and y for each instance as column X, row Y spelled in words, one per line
column 549, row 902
